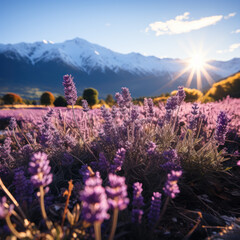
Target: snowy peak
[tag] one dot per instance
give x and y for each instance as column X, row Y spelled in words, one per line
column 88, row 57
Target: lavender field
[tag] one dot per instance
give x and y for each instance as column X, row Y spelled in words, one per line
column 170, row 171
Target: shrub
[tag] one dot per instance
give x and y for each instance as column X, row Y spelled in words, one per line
column 47, row 98
column 60, row 101
column 91, row 95
column 229, row 86
column 12, row 98
column 192, row 94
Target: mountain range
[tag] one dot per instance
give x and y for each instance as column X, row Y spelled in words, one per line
column 31, row 68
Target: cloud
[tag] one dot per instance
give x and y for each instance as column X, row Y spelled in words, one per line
column 182, row 24
column 236, row 31
column 107, row 24
column 231, row 48
column 230, row 15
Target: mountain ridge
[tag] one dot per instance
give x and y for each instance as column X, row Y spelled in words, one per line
column 42, row 64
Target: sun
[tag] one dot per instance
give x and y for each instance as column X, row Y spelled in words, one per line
column 196, row 68
column 197, row 61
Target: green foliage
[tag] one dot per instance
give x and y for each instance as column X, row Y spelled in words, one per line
column 110, row 100
column 47, row 98
column 91, row 95
column 60, row 101
column 229, row 86
column 192, row 94
column 12, row 98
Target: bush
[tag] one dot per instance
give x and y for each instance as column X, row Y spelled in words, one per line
column 229, row 86
column 47, row 98
column 60, row 101
column 12, row 98
column 192, row 94
column 91, row 95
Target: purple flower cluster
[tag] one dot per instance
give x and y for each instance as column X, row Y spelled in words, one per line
column 23, row 187
column 151, row 148
column 94, row 200
column 222, row 127
column 5, row 209
column 172, row 103
column 12, row 123
column 117, row 192
column 5, row 150
column 124, row 99
column 137, row 203
column 118, row 160
column 40, row 170
column 154, row 212
column 171, row 188
column 85, row 105
column 171, row 160
column 180, row 95
column 70, row 90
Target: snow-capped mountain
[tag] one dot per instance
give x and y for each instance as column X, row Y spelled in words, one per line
column 40, row 66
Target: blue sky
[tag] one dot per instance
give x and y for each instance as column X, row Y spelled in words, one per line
column 170, row 28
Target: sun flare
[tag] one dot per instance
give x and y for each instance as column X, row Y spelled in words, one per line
column 197, row 61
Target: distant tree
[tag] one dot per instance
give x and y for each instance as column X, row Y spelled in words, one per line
column 110, row 100
column 12, row 98
column 60, row 101
column 47, row 98
column 34, row 102
column 79, row 101
column 91, row 95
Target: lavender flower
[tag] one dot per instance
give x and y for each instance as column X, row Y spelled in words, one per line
column 222, row 127
column 23, row 187
column 12, row 123
column 40, row 170
column 137, row 215
column 154, row 212
column 84, row 172
column 5, row 150
column 70, row 90
column 118, row 160
column 108, row 122
column 5, row 209
column 117, row 192
column 137, row 203
column 150, row 108
column 103, row 164
column 171, row 188
column 85, row 105
column 172, row 103
column 151, row 148
column 195, row 109
column 180, row 95
column 171, row 160
column 126, row 97
column 94, row 201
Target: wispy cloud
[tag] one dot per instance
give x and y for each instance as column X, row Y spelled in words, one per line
column 182, row 24
column 230, row 15
column 236, row 31
column 231, row 48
